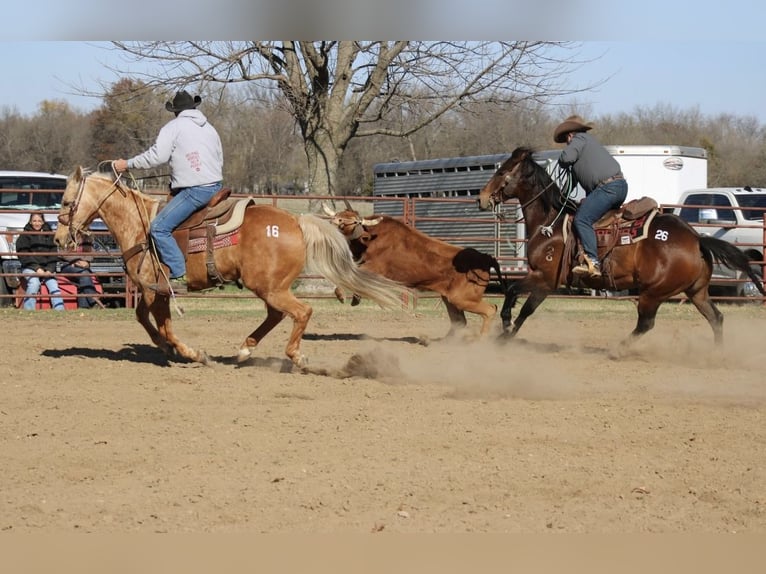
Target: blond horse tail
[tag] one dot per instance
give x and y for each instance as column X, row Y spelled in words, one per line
column 329, row 255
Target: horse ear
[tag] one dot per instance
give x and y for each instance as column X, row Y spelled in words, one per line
column 328, row 210
column 78, row 174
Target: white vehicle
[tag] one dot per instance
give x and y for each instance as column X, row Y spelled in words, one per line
column 24, row 191
column 734, row 214
column 662, row 172
column 20, row 193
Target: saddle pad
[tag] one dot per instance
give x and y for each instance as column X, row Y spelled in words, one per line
column 628, row 231
column 224, row 240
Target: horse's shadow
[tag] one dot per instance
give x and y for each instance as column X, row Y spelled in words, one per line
column 136, row 353
column 151, row 355
column 362, row 337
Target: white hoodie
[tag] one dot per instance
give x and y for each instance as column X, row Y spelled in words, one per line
column 192, row 148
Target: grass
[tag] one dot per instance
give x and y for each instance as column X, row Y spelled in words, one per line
column 225, row 304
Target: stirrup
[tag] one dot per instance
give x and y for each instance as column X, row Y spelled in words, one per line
column 587, row 267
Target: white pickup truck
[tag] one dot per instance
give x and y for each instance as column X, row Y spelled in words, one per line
column 736, row 215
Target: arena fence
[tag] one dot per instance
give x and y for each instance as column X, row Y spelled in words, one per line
column 456, row 220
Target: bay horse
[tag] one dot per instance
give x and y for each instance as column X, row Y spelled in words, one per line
column 673, row 258
column 271, row 249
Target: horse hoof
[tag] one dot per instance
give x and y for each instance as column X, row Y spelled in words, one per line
column 243, row 355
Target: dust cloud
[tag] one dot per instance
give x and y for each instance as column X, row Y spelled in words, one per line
column 676, row 359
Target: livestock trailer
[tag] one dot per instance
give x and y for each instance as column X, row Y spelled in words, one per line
column 442, row 193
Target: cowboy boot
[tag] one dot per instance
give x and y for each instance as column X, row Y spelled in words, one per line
column 587, row 267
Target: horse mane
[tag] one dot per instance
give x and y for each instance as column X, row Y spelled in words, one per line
column 553, row 198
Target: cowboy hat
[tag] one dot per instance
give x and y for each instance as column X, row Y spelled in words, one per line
column 571, row 124
column 182, row 101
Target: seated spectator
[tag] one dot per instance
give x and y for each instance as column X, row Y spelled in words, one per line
column 38, row 258
column 76, row 268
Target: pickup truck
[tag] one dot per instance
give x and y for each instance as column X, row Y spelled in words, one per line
column 734, row 214
column 22, row 192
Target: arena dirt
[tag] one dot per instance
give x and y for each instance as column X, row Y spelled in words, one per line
column 393, row 429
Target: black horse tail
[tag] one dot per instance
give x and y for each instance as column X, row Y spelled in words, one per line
column 729, row 255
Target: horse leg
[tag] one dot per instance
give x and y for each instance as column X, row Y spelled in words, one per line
column 143, row 317
column 277, row 306
column 511, row 296
column 533, row 301
column 456, row 317
column 159, row 307
column 701, row 300
column 647, row 311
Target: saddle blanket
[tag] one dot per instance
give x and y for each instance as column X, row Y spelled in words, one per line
column 627, row 232
column 223, row 240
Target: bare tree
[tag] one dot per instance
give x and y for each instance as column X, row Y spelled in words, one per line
column 340, row 90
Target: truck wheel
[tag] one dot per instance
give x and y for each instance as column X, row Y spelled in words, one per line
column 747, row 288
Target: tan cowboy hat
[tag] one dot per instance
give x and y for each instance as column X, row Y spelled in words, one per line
column 571, row 124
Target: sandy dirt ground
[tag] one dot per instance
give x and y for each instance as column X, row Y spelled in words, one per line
column 396, row 429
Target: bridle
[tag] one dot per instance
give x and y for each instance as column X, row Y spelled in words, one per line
column 76, row 231
column 498, row 196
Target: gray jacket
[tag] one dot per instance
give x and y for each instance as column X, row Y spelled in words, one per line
column 590, row 161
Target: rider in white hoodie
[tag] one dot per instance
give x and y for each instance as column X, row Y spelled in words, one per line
column 190, row 145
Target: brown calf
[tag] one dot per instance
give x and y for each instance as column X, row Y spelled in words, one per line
column 388, row 247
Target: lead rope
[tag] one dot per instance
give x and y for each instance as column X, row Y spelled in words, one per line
column 567, row 190
column 150, row 244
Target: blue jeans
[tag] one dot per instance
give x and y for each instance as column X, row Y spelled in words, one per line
column 179, row 208
column 84, row 282
column 33, row 288
column 592, row 208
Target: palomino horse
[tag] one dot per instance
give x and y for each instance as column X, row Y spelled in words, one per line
column 673, row 258
column 268, row 253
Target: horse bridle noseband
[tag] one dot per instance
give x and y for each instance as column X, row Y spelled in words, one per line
column 75, row 231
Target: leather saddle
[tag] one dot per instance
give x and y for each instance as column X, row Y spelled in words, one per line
column 618, row 227
column 223, row 215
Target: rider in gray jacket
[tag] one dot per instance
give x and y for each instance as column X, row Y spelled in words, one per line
column 599, row 175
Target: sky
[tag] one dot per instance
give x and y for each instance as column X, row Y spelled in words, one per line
column 713, row 77
column 685, row 54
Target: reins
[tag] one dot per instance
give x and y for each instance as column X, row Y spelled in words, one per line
column 564, row 181
column 144, row 218
column 75, row 231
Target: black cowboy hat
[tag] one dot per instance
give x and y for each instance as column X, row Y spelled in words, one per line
column 571, row 124
column 182, row 101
